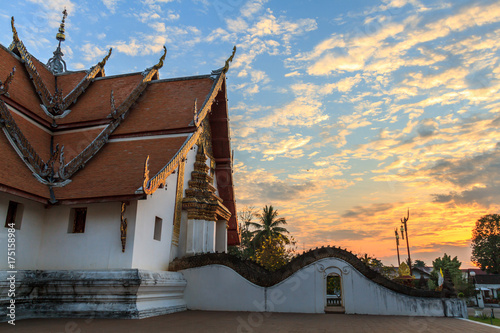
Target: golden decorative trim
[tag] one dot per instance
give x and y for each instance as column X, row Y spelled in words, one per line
column 149, row 186
column 123, row 227
column 209, row 101
column 178, row 204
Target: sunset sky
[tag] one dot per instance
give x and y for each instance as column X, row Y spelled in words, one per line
column 344, row 114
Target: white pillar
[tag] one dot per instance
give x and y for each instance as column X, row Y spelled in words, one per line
column 209, row 236
column 221, row 236
column 200, row 237
column 195, row 239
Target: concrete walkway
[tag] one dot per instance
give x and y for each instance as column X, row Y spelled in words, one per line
column 249, row 322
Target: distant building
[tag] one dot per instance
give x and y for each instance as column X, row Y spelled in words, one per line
column 488, row 285
column 107, row 179
column 422, row 271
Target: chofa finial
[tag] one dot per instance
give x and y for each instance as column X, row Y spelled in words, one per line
column 160, row 63
column 103, row 61
column 14, row 31
column 230, row 59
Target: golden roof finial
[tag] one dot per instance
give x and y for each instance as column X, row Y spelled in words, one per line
column 103, row 61
column 60, row 35
column 14, row 31
column 230, row 59
column 160, row 63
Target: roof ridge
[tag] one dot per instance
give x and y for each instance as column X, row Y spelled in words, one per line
column 118, row 115
column 40, row 86
column 21, row 145
column 85, row 82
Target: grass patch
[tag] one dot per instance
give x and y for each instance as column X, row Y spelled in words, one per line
column 496, row 321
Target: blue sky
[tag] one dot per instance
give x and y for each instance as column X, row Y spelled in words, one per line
column 343, row 113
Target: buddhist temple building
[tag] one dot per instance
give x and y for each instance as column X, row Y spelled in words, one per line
column 107, row 179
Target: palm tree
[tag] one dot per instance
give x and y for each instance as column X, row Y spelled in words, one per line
column 269, row 226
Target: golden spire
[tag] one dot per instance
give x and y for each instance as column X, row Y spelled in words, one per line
column 60, row 35
column 56, row 64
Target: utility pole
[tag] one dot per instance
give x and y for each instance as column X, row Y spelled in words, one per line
column 404, row 227
column 397, row 245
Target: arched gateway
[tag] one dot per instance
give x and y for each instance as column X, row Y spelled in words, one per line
column 218, row 281
column 333, row 285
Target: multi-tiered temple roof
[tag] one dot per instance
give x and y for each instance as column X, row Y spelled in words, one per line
column 79, row 136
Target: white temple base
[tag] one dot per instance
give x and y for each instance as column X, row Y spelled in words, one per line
column 129, row 293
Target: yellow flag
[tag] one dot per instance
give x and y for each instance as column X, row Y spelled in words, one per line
column 441, row 277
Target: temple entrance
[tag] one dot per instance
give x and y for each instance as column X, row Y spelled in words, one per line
column 334, row 302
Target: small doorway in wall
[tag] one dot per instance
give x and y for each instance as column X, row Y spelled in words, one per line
column 334, row 301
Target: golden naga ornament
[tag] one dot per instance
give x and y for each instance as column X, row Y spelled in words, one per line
column 123, row 227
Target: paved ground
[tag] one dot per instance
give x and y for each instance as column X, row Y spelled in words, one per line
column 249, row 322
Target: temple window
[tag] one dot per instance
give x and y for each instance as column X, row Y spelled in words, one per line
column 77, row 219
column 157, row 233
column 14, row 215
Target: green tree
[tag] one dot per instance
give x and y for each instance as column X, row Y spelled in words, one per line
column 419, row 263
column 377, row 265
column 269, row 226
column 272, row 253
column 486, row 243
column 453, row 267
column 446, row 263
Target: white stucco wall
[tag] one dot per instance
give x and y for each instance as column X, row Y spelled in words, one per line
column 151, row 254
column 99, row 247
column 28, row 238
column 219, row 288
column 44, row 242
column 211, row 287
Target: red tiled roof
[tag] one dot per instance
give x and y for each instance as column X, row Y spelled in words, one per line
column 69, row 80
column 76, row 141
column 47, row 77
column 14, row 173
column 38, row 138
column 118, row 169
column 21, row 89
column 95, row 103
column 166, row 105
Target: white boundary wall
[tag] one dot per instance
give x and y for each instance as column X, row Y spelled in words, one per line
column 217, row 287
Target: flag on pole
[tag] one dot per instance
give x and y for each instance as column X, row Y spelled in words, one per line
column 440, row 278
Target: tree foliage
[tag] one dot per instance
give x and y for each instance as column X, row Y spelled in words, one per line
column 269, row 226
column 419, row 263
column 447, row 263
column 453, row 267
column 264, row 241
column 272, row 253
column 486, row 243
column 376, row 264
